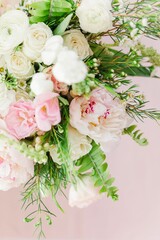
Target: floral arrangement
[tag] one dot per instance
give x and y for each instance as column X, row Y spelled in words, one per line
column 67, row 95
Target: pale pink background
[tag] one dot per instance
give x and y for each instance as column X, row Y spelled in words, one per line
column 136, row 216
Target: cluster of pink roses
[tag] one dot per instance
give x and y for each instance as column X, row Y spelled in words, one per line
column 25, row 117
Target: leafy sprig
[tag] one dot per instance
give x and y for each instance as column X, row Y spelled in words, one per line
column 94, row 164
column 136, row 135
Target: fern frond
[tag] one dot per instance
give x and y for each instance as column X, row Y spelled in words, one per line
column 136, row 135
column 94, row 163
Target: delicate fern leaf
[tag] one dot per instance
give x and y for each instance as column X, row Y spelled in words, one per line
column 94, row 163
column 136, row 135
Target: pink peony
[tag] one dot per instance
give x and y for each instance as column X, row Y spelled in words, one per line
column 20, row 119
column 99, row 116
column 15, row 169
column 47, row 111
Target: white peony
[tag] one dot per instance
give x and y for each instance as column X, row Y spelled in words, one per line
column 69, row 68
column 76, row 41
column 19, row 65
column 15, row 169
column 40, row 84
column 84, row 193
column 51, row 50
column 35, row 40
column 95, row 15
column 7, row 97
column 13, row 27
column 79, row 146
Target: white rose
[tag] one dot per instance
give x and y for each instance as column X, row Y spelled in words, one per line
column 95, row 16
column 76, row 41
column 51, row 50
column 69, row 68
column 19, row 65
column 15, row 169
column 7, row 97
column 84, row 193
column 40, row 84
column 35, row 40
column 79, row 146
column 13, row 26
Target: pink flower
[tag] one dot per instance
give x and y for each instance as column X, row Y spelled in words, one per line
column 58, row 86
column 47, row 111
column 99, row 116
column 15, row 168
column 20, row 119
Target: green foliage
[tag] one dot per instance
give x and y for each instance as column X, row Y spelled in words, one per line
column 136, row 135
column 60, row 29
column 95, row 164
column 52, row 12
column 48, row 179
column 10, row 81
column 135, row 105
column 59, row 136
column 120, row 62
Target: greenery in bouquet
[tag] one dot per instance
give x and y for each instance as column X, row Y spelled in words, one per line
column 67, row 95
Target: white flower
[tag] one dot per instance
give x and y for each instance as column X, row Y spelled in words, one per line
column 76, row 41
column 51, row 50
column 40, row 84
column 84, row 193
column 35, row 40
column 79, row 146
column 15, row 169
column 13, row 26
column 7, row 97
column 69, row 68
column 19, row 65
column 95, row 16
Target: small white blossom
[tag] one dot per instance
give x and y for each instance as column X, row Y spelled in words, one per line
column 69, row 68
column 40, row 84
column 51, row 50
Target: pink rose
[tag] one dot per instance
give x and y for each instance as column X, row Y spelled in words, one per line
column 100, row 116
column 20, row 119
column 15, row 168
column 47, row 111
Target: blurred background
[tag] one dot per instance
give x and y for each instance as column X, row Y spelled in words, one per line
column 136, row 216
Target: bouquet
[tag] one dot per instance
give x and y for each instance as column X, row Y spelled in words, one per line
column 67, row 95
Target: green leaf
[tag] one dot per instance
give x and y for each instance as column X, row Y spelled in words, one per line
column 94, row 163
column 52, row 12
column 27, row 220
column 136, row 135
column 63, row 25
column 139, row 71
